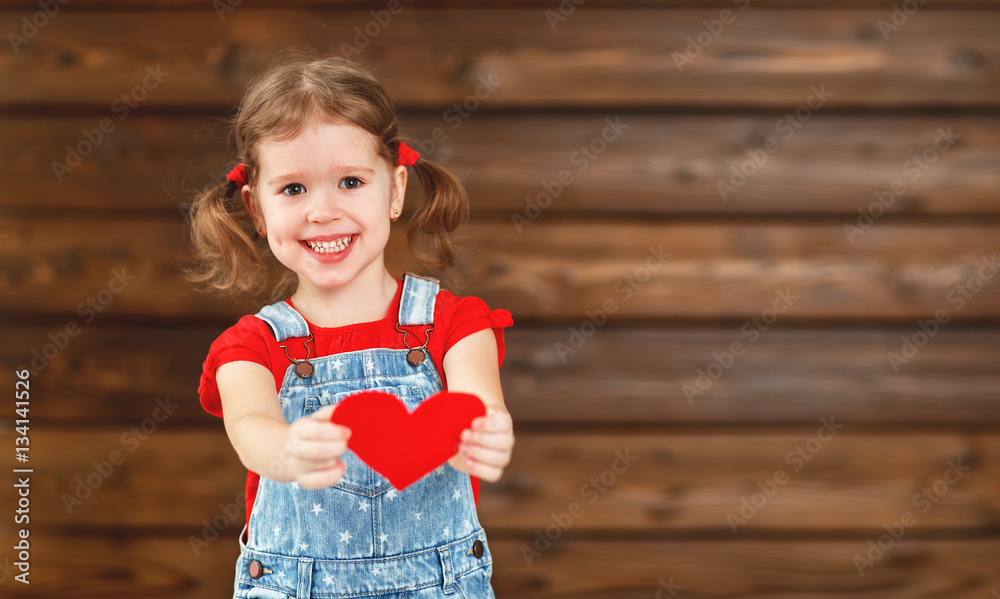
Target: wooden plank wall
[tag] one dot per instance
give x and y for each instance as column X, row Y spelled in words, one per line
column 735, row 371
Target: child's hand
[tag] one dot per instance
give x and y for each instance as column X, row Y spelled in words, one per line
column 486, row 447
column 314, row 446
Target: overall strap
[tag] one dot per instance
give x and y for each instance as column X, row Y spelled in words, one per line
column 284, row 321
column 416, row 306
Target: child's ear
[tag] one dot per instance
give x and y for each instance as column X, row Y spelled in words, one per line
column 253, row 208
column 398, row 190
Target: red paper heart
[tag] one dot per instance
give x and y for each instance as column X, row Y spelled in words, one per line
column 404, row 446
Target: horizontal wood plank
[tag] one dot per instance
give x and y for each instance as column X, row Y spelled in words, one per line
column 543, row 5
column 512, row 163
column 691, row 376
column 597, row 58
column 788, row 272
column 164, row 566
column 834, row 478
column 621, row 375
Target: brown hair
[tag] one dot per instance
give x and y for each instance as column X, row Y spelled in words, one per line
column 276, row 105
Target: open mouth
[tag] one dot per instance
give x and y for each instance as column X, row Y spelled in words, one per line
column 331, row 246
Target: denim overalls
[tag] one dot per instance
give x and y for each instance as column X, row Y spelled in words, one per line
column 361, row 537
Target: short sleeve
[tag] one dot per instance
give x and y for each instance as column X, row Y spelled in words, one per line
column 244, row 341
column 470, row 315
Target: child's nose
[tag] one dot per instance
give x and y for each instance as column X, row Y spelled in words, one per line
column 324, row 206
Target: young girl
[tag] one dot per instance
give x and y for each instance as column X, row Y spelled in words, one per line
column 321, row 177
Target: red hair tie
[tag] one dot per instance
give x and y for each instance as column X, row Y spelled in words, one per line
column 238, row 175
column 407, row 156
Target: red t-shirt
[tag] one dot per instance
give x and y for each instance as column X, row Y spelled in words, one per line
column 251, row 340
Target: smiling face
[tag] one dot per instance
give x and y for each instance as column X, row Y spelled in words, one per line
column 324, row 200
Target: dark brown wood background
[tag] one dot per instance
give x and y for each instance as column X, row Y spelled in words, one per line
column 162, row 522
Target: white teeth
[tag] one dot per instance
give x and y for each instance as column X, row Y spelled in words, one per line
column 337, row 245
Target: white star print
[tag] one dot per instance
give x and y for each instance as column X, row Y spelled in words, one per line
column 281, row 574
column 277, row 530
column 346, row 536
column 328, row 579
column 362, row 506
column 376, row 570
column 295, row 484
column 467, row 525
column 391, row 494
column 337, row 364
column 447, row 531
column 304, row 546
column 457, row 494
column 284, row 402
column 418, row 514
column 317, row 508
column 383, row 537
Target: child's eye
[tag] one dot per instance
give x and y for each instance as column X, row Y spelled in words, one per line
column 350, row 183
column 293, row 189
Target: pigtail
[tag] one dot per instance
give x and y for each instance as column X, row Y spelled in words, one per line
column 445, row 209
column 228, row 258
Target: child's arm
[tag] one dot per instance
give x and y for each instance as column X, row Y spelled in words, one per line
column 471, row 367
column 306, row 451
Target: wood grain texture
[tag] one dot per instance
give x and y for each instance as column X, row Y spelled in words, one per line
column 164, row 566
column 637, row 569
column 511, row 163
column 635, row 270
column 836, row 479
column 610, row 341
column 647, row 375
column 542, row 5
column 621, row 58
column 622, row 375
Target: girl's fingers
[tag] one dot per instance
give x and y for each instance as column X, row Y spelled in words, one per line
column 320, row 451
column 317, row 426
column 495, row 440
column 487, row 455
column 487, row 472
column 489, row 467
column 495, row 420
column 322, row 478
